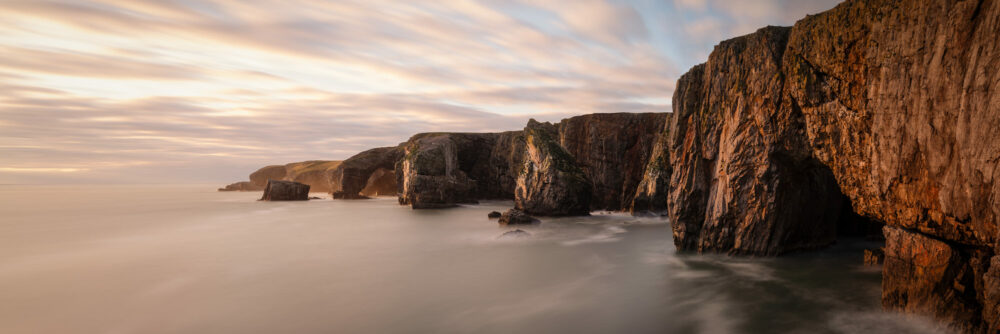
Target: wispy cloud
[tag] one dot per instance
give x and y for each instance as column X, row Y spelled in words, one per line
column 98, row 90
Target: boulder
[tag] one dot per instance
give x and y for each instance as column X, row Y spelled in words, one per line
column 285, row 191
column 516, row 217
column 550, row 183
column 494, row 215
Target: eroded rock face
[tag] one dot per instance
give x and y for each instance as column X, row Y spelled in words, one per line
column 613, row 150
column 261, row 176
column 743, row 180
column 901, row 101
column 651, row 193
column 444, row 169
column 381, row 183
column 285, row 191
column 351, row 177
column 550, row 181
column 242, row 186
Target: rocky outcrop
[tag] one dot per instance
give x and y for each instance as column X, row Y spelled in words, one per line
column 516, row 217
column 285, row 191
column 352, row 175
column 550, row 181
column 444, row 169
column 613, row 150
column 273, row 172
column 312, row 172
column 743, row 179
column 381, row 183
column 897, row 103
column 242, row 186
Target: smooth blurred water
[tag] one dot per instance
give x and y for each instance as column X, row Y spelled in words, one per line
column 187, row 259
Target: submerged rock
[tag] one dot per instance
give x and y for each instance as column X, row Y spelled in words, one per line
column 242, row 186
column 285, row 191
column 494, row 215
column 515, row 217
column 515, row 234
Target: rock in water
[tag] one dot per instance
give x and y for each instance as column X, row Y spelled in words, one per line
column 285, row 191
column 515, row 234
column 445, row 169
column 352, row 175
column 494, row 215
column 515, row 217
column 550, row 183
column 381, row 183
column 242, row 186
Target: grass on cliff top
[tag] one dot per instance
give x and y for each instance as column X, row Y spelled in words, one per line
column 297, row 168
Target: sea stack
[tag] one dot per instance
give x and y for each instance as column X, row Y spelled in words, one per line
column 285, row 191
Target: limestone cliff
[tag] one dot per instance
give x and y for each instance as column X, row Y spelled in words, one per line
column 896, row 103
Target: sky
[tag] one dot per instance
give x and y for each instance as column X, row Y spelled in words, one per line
column 184, row 91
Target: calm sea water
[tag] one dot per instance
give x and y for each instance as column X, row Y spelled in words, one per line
column 187, row 259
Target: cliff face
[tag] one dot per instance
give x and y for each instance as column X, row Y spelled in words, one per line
column 444, row 169
column 550, row 181
column 242, row 186
column 901, row 101
column 613, row 149
column 743, row 179
column 353, row 175
column 894, row 103
column 312, row 173
column 651, row 193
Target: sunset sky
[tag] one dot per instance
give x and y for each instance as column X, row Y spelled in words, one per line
column 165, row 91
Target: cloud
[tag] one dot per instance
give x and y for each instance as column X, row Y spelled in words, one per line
column 99, row 90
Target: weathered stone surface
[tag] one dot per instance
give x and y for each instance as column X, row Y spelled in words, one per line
column 312, row 172
column 899, row 100
column 285, row 191
column 381, row 183
column 444, row 169
column 351, row 177
column 550, row 182
column 651, row 193
column 261, row 176
column 613, row 150
column 242, row 186
column 743, row 180
column 515, row 217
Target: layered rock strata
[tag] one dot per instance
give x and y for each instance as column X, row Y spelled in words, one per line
column 897, row 103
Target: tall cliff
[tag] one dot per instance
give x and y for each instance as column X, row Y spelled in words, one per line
column 891, row 103
column 358, row 173
column 551, row 181
column 613, row 149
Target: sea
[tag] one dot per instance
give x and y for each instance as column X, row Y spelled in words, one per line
column 189, row 259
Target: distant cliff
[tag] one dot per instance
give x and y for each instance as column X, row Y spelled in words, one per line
column 313, row 173
column 891, row 105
